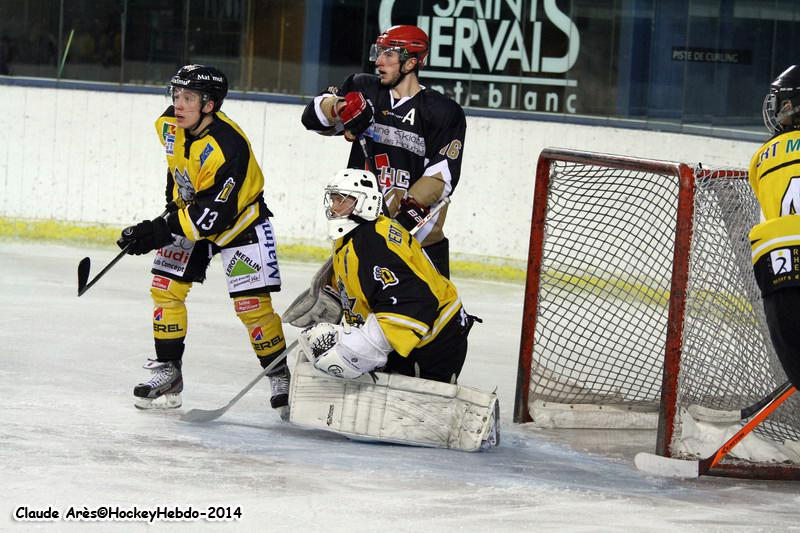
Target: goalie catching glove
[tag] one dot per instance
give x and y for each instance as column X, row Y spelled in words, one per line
column 345, row 351
column 145, row 236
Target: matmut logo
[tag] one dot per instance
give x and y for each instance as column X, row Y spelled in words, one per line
column 257, row 334
column 158, row 314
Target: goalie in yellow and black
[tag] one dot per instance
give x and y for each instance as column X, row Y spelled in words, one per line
column 400, row 314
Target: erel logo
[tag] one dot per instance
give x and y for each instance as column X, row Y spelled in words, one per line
column 257, row 334
column 158, row 312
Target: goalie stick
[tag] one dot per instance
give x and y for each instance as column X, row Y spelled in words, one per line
column 707, row 414
column 207, row 415
column 686, row 468
column 86, row 264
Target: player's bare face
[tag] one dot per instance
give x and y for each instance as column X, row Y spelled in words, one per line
column 187, row 107
column 342, row 206
column 388, row 65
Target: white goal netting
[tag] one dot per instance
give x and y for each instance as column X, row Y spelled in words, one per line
column 614, row 244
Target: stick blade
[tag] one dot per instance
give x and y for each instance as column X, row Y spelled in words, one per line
column 706, row 414
column 666, row 466
column 203, row 415
column 83, row 274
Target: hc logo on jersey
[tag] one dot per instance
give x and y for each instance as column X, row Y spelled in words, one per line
column 158, row 314
column 257, row 334
column 781, row 261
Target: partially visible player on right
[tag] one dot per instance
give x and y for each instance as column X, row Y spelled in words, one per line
column 775, row 179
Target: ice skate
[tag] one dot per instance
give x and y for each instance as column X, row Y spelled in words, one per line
column 279, row 393
column 163, row 389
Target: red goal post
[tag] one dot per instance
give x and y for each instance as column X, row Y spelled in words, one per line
column 640, row 303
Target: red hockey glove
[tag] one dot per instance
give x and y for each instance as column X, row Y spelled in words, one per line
column 411, row 213
column 356, row 113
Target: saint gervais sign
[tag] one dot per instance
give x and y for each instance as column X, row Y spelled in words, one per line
column 510, row 54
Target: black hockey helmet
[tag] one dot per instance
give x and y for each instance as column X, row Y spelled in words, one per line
column 778, row 115
column 208, row 81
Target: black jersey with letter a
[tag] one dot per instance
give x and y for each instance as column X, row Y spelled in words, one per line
column 416, row 136
column 379, row 268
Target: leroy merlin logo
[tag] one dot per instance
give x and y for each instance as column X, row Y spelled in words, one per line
column 241, row 265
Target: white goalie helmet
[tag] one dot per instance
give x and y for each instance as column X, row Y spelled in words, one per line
column 363, row 205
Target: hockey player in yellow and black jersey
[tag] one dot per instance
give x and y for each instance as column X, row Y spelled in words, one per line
column 415, row 135
column 215, row 189
column 775, row 178
column 400, row 314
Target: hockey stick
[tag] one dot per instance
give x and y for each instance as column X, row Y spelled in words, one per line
column 707, row 414
column 207, row 415
column 683, row 468
column 86, row 264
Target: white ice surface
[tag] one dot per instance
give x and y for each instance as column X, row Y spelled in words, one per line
column 69, row 435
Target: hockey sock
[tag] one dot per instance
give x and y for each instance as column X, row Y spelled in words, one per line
column 169, row 317
column 263, row 325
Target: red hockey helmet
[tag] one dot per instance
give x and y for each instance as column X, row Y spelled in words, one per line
column 408, row 41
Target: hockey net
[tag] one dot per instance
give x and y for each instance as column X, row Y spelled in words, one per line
column 641, row 308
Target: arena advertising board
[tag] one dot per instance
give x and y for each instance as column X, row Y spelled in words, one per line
column 503, row 54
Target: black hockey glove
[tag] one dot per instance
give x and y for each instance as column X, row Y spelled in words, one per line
column 145, row 236
column 411, row 213
column 356, row 114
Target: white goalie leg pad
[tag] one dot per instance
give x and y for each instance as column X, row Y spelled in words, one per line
column 394, row 408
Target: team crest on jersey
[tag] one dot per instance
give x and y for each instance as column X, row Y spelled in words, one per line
column 348, row 304
column 781, row 261
column 206, row 152
column 225, row 193
column 389, row 177
column 385, row 276
column 158, row 313
column 257, row 334
column 185, row 187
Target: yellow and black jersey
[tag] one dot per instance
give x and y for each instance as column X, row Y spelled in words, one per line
column 215, row 171
column 379, row 268
column 775, row 178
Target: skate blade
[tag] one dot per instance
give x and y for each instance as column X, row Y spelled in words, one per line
column 166, row 401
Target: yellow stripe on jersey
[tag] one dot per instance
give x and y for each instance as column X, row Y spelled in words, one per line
column 776, row 233
column 774, row 176
column 441, row 321
column 244, row 220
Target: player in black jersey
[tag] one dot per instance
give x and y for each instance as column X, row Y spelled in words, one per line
column 415, row 135
column 216, row 190
column 400, row 314
column 775, row 178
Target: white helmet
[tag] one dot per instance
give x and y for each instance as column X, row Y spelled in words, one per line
column 363, row 187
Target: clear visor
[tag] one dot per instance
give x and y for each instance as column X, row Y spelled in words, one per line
column 188, row 95
column 339, row 204
column 769, row 113
column 376, row 51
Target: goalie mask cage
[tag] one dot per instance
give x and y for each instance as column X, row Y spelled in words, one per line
column 640, row 302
